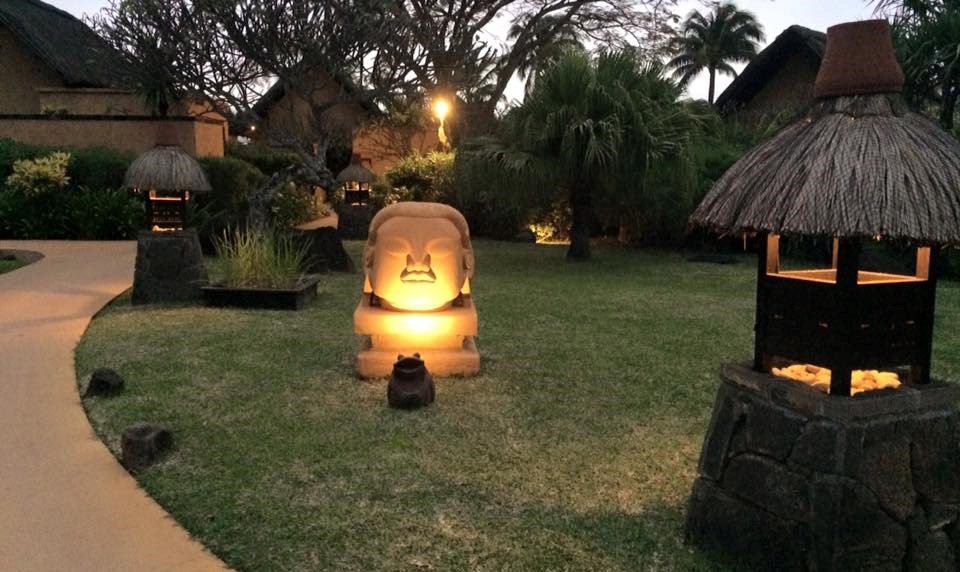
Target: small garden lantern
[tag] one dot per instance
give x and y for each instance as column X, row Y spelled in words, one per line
column 167, row 174
column 815, row 458
column 356, row 180
column 169, row 266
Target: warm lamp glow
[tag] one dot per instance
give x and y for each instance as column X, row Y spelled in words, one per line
column 441, row 108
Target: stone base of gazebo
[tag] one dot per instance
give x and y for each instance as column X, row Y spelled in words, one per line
column 169, row 267
column 792, row 479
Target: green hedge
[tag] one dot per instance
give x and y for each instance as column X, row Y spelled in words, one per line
column 92, row 168
column 82, row 214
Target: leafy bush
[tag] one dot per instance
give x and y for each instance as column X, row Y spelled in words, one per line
column 267, row 158
column 260, row 258
column 292, row 206
column 232, row 182
column 423, row 177
column 84, row 214
column 94, row 168
column 40, row 175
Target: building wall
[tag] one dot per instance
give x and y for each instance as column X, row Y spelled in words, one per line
column 788, row 91
column 133, row 134
column 293, row 114
column 91, row 101
column 382, row 148
column 21, row 74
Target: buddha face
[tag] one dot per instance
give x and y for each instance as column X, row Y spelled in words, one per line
column 418, row 263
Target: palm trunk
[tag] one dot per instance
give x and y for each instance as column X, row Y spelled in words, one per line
column 713, row 83
column 582, row 209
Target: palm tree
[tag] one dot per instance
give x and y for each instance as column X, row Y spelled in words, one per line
column 582, row 126
column 713, row 41
column 551, row 38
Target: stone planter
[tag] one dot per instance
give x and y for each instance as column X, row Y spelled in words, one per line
column 262, row 298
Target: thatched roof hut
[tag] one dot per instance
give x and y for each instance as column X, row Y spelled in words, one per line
column 64, row 43
column 166, row 168
column 356, row 172
column 858, row 163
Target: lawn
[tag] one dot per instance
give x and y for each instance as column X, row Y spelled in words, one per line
column 9, row 265
column 574, row 449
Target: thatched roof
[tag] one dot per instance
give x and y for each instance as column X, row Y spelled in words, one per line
column 852, row 166
column 63, row 42
column 279, row 89
column 166, row 168
column 793, row 40
column 355, row 171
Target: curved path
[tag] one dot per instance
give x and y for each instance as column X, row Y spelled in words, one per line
column 65, row 502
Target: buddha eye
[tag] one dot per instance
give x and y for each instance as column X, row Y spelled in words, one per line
column 442, row 247
column 395, row 246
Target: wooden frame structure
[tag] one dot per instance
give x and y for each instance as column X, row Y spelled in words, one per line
column 167, row 210
column 844, row 318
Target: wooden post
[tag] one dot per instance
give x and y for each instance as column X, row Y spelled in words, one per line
column 926, row 268
column 844, row 325
column 767, row 247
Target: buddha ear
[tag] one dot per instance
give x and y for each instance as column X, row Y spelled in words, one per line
column 368, row 256
column 468, row 261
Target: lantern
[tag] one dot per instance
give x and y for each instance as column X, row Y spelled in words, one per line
column 356, row 180
column 167, row 175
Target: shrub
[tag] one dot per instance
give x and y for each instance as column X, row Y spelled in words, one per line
column 262, row 156
column 292, row 206
column 94, row 168
column 40, row 175
column 423, row 177
column 85, row 214
column 260, row 258
column 232, row 182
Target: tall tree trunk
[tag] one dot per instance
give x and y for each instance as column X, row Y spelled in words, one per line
column 582, row 208
column 713, row 83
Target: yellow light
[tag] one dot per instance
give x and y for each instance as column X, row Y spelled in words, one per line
column 441, row 108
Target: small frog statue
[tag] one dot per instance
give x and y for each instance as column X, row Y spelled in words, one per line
column 411, row 385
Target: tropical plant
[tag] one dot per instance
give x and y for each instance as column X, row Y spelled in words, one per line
column 553, row 39
column 591, row 130
column 926, row 35
column 40, row 175
column 260, row 257
column 423, row 177
column 713, row 41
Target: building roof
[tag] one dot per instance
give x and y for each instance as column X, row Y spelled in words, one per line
column 276, row 92
column 793, row 40
column 65, row 43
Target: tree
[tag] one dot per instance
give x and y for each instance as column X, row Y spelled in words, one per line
column 441, row 42
column 229, row 52
column 588, row 128
column 713, row 41
column 926, row 35
column 565, row 39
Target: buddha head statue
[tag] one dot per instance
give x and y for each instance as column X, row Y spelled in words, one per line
column 418, row 256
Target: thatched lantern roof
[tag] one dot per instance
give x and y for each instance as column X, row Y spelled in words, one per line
column 355, row 171
column 858, row 163
column 166, row 168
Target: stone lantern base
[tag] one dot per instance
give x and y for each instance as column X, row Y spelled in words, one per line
column 792, row 479
column 169, row 267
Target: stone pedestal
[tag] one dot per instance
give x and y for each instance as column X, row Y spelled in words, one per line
column 792, row 479
column 354, row 221
column 169, row 267
column 444, row 339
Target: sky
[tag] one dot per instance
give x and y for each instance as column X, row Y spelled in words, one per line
column 774, row 15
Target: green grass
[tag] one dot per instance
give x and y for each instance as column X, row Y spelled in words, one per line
column 574, row 449
column 9, row 265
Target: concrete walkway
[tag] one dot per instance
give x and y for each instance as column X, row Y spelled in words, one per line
column 65, row 502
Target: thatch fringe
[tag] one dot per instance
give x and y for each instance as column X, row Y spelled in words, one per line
column 166, row 168
column 852, row 166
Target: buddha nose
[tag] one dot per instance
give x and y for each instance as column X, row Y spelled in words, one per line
column 423, row 265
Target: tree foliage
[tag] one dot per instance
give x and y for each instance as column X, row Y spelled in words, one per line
column 595, row 131
column 713, row 41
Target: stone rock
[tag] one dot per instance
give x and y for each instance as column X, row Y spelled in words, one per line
column 816, row 448
column 727, row 415
column 354, row 221
column 941, row 516
column 772, row 430
column 105, row 382
column 411, row 385
column 742, row 534
column 169, row 267
column 850, row 530
column 932, row 553
column 142, row 444
column 886, row 472
column 325, row 252
column 936, row 474
column 768, row 484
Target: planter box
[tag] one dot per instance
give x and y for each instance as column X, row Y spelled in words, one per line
column 262, row 298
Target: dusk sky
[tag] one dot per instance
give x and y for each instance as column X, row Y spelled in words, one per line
column 774, row 15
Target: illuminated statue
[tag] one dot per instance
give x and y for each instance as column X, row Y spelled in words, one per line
column 418, row 263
